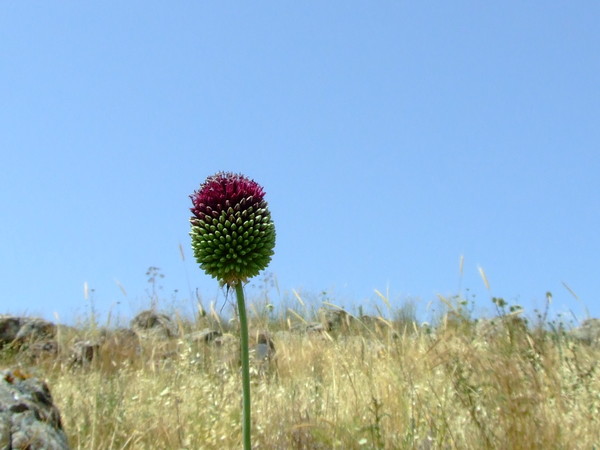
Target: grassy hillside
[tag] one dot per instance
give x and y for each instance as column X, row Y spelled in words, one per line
column 367, row 384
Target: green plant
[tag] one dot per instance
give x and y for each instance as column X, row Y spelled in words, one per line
column 154, row 274
column 233, row 238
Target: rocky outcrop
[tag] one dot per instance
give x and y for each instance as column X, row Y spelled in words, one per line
column 334, row 319
column 152, row 324
column 205, row 336
column 41, row 350
column 24, row 330
column 262, row 346
column 314, row 328
column 83, row 352
column 34, row 330
column 28, row 417
column 9, row 328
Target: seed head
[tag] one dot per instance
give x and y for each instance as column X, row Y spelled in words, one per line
column 232, row 233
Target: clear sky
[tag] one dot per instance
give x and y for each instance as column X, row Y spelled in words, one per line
column 391, row 138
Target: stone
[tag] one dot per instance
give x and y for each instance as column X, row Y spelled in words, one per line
column 28, row 417
column 84, row 352
column 316, row 328
column 43, row 350
column 382, row 327
column 226, row 340
column 334, row 319
column 24, row 330
column 34, row 329
column 206, row 335
column 9, row 328
column 263, row 347
column 261, row 351
column 152, row 324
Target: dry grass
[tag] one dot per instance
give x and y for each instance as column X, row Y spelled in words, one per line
column 389, row 387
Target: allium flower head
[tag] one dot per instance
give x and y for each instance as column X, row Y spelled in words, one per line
column 232, row 233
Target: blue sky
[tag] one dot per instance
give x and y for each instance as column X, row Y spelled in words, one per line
column 391, row 138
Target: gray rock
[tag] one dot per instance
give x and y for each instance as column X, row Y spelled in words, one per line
column 9, row 328
column 43, row 350
column 22, row 330
column 207, row 335
column 83, row 352
column 263, row 354
column 28, row 418
column 152, row 324
column 264, row 347
column 261, row 349
column 34, row 329
column 226, row 340
column 316, row 328
column 334, row 319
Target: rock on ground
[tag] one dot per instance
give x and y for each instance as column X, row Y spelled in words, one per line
column 334, row 319
column 206, row 335
column 152, row 324
column 28, row 418
column 21, row 330
column 83, row 352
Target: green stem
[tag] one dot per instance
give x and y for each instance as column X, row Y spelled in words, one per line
column 239, row 291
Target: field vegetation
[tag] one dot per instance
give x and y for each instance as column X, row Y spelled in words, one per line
column 366, row 383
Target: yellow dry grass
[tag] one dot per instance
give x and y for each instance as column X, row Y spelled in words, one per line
column 387, row 387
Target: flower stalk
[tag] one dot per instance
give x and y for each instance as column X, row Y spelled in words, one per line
column 245, row 357
column 233, row 238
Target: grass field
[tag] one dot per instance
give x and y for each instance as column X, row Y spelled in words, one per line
column 384, row 384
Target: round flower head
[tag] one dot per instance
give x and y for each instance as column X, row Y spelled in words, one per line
column 232, row 233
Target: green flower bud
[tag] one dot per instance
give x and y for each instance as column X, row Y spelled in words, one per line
column 233, row 236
